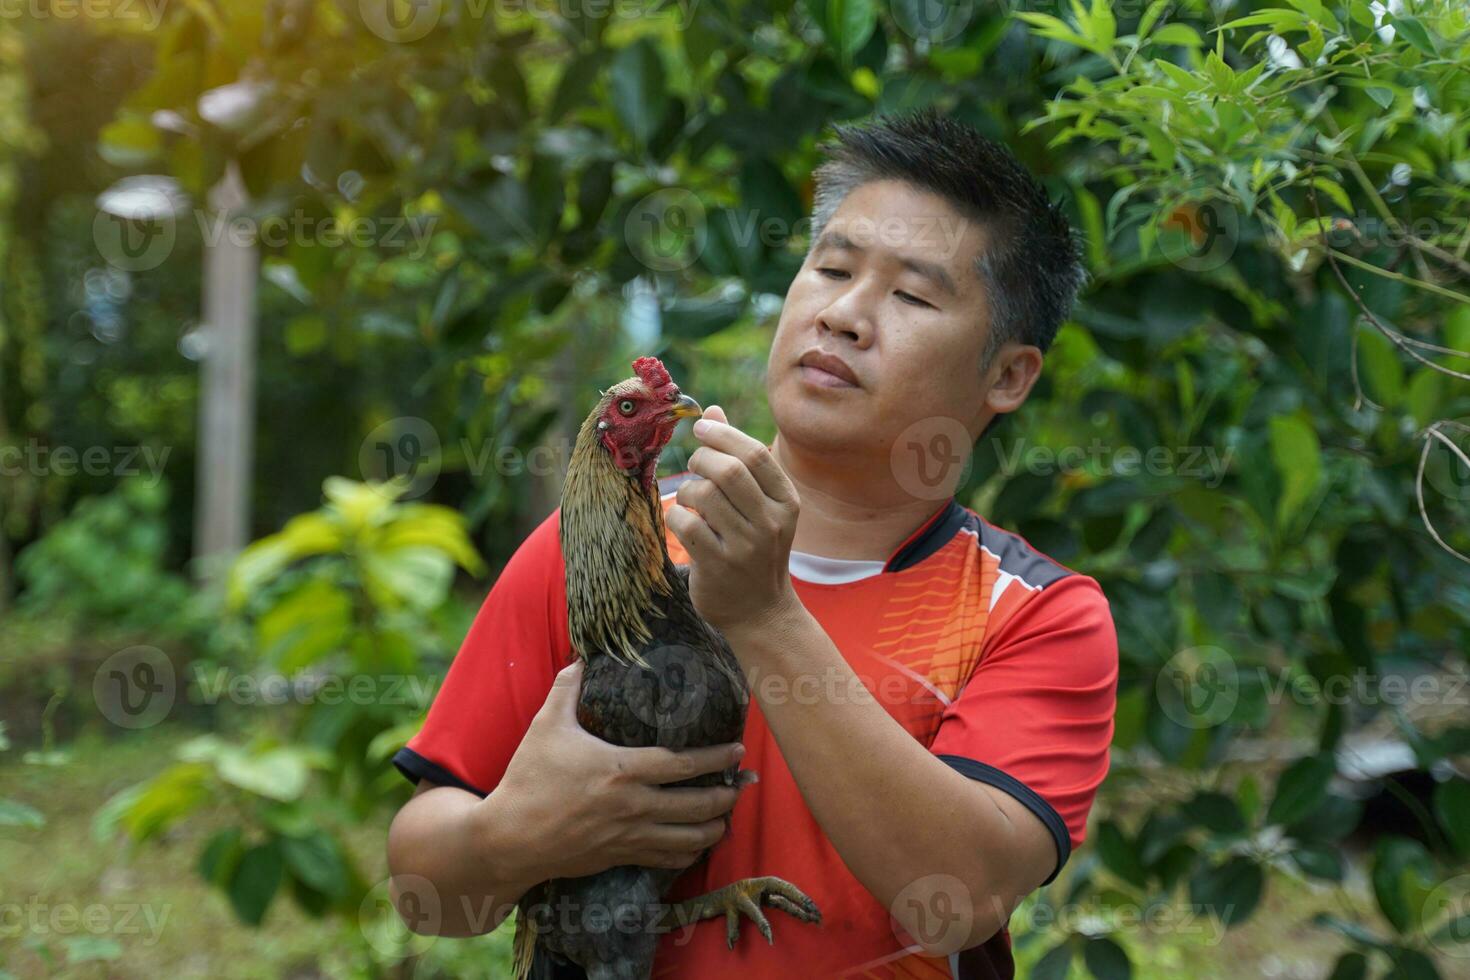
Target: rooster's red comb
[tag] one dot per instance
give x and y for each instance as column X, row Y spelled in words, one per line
column 651, row 371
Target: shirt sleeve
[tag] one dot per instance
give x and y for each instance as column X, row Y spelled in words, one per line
column 501, row 675
column 1035, row 718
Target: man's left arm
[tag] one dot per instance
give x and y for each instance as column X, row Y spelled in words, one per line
column 932, row 844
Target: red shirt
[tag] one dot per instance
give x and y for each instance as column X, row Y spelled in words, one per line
column 1001, row 661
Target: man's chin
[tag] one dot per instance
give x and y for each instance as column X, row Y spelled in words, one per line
column 817, row 425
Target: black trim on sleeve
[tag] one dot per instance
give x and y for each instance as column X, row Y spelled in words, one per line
column 1029, row 798
column 415, row 767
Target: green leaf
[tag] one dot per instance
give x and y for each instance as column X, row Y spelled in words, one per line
column 1281, row 21
column 221, row 856
column 16, row 814
column 695, row 318
column 1107, row 960
column 1300, row 789
column 639, row 90
column 1177, row 34
column 1411, row 964
column 1055, row 964
column 307, row 624
column 576, row 83
column 1402, row 873
column 1159, row 144
column 316, row 861
column 418, row 577
column 1380, row 367
column 1230, row 891
column 1104, row 27
column 1119, row 854
column 91, row 949
column 255, row 882
column 1417, row 33
column 1156, row 9
column 277, row 774
column 1055, row 29
column 1297, row 455
column 1452, row 806
column 1187, row 80
column 1216, row 812
column 1318, row 860
column 1334, row 190
column 1350, row 966
column 850, row 23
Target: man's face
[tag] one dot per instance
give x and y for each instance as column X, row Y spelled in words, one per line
column 891, row 291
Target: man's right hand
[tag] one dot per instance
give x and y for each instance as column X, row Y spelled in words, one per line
column 577, row 805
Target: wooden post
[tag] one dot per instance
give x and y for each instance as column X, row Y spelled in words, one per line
column 227, row 387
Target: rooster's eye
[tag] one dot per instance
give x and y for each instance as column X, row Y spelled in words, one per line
column 626, row 406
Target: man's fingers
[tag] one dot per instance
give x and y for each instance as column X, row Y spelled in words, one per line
column 693, row 533
column 716, row 413
column 685, row 836
column 727, row 473
column 689, row 804
column 758, row 459
column 707, row 499
column 656, row 766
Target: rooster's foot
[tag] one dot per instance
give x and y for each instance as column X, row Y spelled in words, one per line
column 746, row 898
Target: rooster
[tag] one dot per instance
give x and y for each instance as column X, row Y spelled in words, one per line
column 655, row 674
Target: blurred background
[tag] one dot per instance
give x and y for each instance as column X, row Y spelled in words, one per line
column 301, row 302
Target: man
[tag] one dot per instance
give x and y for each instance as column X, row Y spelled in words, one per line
column 932, row 697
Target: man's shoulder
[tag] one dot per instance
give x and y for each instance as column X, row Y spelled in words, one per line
column 1013, row 555
column 1026, row 583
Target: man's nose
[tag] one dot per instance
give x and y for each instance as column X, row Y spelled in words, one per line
column 848, row 315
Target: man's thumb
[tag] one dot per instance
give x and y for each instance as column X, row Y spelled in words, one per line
column 565, row 690
column 716, row 413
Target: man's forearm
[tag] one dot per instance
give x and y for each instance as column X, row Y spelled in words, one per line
column 457, row 869
column 905, row 823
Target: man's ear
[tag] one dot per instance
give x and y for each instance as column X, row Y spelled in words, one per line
column 1011, row 376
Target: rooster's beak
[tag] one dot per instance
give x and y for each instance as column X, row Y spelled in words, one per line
column 686, row 408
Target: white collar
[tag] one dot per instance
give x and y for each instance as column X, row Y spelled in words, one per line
column 832, row 571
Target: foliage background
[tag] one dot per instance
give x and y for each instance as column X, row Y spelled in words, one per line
column 1272, row 197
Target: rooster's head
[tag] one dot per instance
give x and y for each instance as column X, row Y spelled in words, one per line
column 636, row 417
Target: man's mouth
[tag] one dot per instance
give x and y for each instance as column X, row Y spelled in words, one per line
column 826, row 370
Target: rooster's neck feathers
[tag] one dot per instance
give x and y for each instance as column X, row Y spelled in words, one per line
column 617, row 563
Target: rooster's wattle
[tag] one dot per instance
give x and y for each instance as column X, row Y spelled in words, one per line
column 656, row 674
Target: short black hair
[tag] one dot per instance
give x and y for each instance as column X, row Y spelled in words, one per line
column 1031, row 266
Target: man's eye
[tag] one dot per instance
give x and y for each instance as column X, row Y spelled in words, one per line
column 911, row 299
column 833, row 273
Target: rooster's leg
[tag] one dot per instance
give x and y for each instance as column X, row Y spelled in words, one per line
column 745, row 898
